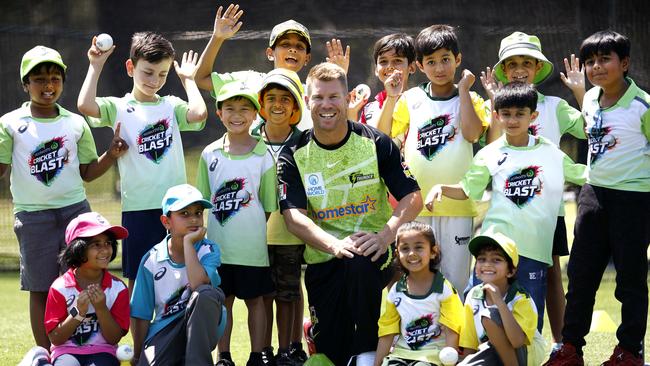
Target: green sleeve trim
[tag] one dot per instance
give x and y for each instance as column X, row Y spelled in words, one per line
column 86, row 150
column 476, row 179
column 645, row 124
column 107, row 113
column 570, row 120
column 180, row 112
column 268, row 190
column 574, row 172
column 202, row 180
column 6, row 145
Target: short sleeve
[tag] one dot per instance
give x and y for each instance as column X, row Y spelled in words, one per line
column 570, row 120
column 574, row 172
column 645, row 124
column 107, row 113
column 142, row 298
column 291, row 191
column 476, row 179
column 389, row 321
column 6, row 145
column 211, row 261
column 401, row 118
column 86, row 149
column 120, row 309
column 468, row 336
column 526, row 316
column 202, row 179
column 269, row 188
column 451, row 309
column 393, row 170
column 56, row 310
column 180, row 112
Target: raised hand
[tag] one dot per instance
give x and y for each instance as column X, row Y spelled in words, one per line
column 574, row 77
column 492, row 293
column 83, row 300
column 97, row 296
column 336, row 55
column 466, row 80
column 189, row 64
column 489, row 82
column 118, row 144
column 394, row 84
column 227, row 24
column 96, row 56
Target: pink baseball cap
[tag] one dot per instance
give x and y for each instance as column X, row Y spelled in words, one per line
column 91, row 224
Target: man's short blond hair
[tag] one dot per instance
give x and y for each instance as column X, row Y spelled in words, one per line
column 326, row 71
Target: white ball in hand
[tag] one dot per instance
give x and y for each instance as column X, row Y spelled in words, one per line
column 124, row 352
column 362, row 91
column 448, row 356
column 104, row 42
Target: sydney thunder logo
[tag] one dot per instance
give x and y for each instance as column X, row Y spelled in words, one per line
column 600, row 140
column 155, row 140
column 418, row 333
column 434, row 135
column 47, row 160
column 522, row 186
column 229, row 198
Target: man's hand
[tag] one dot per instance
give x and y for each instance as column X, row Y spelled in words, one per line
column 227, row 25
column 336, row 55
column 369, row 243
column 344, row 248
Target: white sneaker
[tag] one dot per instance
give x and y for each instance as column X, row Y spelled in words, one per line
column 36, row 356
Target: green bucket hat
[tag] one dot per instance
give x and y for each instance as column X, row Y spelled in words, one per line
column 238, row 88
column 289, row 80
column 289, row 26
column 522, row 44
column 38, row 55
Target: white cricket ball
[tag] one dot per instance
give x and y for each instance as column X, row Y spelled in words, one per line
column 124, row 352
column 362, row 91
column 104, row 42
column 448, row 356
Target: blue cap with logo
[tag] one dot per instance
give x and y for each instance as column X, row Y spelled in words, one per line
column 181, row 196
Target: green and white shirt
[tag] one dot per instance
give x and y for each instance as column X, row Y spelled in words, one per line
column 45, row 154
column 556, row 117
column 527, row 188
column 619, row 140
column 241, row 188
column 154, row 161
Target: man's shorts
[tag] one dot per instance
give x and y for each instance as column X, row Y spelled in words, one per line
column 560, row 243
column 285, row 262
column 245, row 282
column 41, row 237
column 145, row 231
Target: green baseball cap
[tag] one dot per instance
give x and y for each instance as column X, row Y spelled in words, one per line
column 289, row 80
column 238, row 88
column 522, row 44
column 38, row 55
column 507, row 244
column 289, row 26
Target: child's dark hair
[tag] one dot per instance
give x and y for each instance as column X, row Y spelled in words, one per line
column 74, row 255
column 150, row 47
column 493, row 247
column 48, row 67
column 519, row 95
column 270, row 86
column 604, row 42
column 401, row 43
column 234, row 99
column 302, row 38
column 427, row 232
column 436, row 37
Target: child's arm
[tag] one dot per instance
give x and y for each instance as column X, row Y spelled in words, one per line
column 574, row 78
column 515, row 335
column 451, row 338
column 491, row 85
column 393, row 85
column 139, row 329
column 453, row 191
column 224, row 27
column 383, row 348
column 470, row 123
column 86, row 100
column 186, row 71
column 336, row 55
column 3, row 169
column 97, row 168
column 196, row 274
column 68, row 326
column 111, row 330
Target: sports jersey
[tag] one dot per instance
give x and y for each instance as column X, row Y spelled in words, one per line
column 419, row 320
column 154, row 161
column 241, row 188
column 619, row 140
column 556, row 117
column 343, row 187
column 162, row 290
column 434, row 146
column 371, row 111
column 87, row 338
column 523, row 310
column 45, row 154
column 527, row 188
column 254, row 80
column 276, row 229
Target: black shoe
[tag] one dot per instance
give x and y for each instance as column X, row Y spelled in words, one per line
column 224, row 362
column 267, row 356
column 283, row 359
column 255, row 359
column 298, row 356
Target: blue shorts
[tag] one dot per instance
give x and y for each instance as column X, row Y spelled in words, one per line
column 145, row 231
column 531, row 274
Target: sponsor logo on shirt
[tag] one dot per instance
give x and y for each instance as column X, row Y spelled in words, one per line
column 177, row 302
column 85, row 330
column 533, row 130
column 348, row 209
column 314, row 186
column 357, row 177
column 229, row 199
column 421, row 331
column 522, row 186
column 434, row 134
column 155, row 140
column 600, row 141
column 48, row 159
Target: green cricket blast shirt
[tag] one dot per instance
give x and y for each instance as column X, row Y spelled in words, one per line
column 343, row 187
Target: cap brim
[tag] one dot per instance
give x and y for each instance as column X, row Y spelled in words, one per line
column 478, row 241
column 289, row 31
column 118, row 231
column 228, row 95
column 542, row 74
column 181, row 204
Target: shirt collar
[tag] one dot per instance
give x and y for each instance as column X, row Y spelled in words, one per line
column 259, row 149
column 26, row 112
column 69, row 280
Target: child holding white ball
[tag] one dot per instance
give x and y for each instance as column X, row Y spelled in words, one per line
column 423, row 308
column 87, row 311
